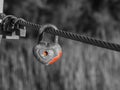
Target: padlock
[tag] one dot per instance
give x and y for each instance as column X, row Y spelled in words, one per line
column 10, row 29
column 20, row 29
column 45, row 52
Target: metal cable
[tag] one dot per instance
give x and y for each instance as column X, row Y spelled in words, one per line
column 74, row 36
column 70, row 35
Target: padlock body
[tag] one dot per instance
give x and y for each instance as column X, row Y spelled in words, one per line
column 47, row 53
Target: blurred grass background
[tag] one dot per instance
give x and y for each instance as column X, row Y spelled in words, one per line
column 82, row 67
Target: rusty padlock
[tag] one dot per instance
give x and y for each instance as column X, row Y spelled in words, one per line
column 47, row 53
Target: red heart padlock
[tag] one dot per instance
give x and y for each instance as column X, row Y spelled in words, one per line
column 47, row 53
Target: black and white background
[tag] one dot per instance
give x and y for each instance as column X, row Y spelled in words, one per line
column 82, row 66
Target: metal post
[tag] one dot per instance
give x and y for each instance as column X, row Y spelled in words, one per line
column 1, row 11
column 1, row 6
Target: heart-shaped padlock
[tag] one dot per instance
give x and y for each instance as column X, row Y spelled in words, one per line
column 47, row 53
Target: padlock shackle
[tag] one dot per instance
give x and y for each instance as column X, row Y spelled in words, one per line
column 16, row 22
column 6, row 25
column 44, row 27
column 42, row 30
column 47, row 53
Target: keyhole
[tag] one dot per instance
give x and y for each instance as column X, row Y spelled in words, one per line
column 45, row 53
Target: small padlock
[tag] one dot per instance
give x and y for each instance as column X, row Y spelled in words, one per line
column 47, row 53
column 10, row 29
column 20, row 29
